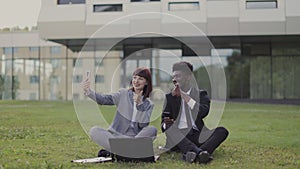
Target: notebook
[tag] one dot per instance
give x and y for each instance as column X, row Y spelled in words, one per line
column 133, row 149
column 93, row 160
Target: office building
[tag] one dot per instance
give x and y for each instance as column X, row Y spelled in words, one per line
column 256, row 41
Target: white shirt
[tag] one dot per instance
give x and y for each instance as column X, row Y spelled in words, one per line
column 183, row 121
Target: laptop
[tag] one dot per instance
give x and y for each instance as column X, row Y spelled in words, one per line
column 133, row 149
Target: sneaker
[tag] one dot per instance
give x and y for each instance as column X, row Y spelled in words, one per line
column 204, row 157
column 189, row 157
column 104, row 153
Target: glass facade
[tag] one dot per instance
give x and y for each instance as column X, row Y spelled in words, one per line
column 33, row 73
column 264, row 76
column 260, row 71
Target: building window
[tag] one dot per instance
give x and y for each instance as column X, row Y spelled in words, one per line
column 99, row 79
column 31, row 66
column 9, row 50
column 16, row 49
column 256, row 49
column 54, row 80
column 261, row 4
column 77, row 62
column 108, row 8
column 32, row 96
column 33, row 49
column 99, row 63
column 61, row 2
column 55, row 49
column 184, row 6
column 143, row 0
column 76, row 96
column 77, row 78
column 34, row 79
column 55, row 63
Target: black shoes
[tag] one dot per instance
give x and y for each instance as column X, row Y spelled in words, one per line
column 204, row 157
column 189, row 157
column 104, row 153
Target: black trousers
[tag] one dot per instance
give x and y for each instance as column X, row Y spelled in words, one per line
column 184, row 141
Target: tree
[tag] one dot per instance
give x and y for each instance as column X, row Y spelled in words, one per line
column 238, row 76
column 5, row 87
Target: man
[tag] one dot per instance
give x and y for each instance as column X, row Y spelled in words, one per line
column 182, row 118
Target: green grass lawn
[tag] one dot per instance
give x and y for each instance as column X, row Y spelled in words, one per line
column 41, row 134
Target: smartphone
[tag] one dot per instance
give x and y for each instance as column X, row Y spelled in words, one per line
column 174, row 82
column 88, row 73
column 166, row 115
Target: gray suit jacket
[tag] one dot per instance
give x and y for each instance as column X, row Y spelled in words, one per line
column 123, row 117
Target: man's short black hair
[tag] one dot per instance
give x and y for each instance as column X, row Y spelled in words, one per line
column 183, row 66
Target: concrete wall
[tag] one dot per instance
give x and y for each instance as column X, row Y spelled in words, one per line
column 214, row 18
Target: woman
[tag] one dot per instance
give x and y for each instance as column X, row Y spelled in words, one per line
column 133, row 114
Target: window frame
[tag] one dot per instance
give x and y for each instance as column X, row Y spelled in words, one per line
column 69, row 2
column 54, row 50
column 77, row 78
column 99, row 79
column 34, row 79
column 261, row 4
column 144, row 0
column 190, row 3
column 117, row 7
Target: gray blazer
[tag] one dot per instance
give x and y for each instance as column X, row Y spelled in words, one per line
column 123, row 117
